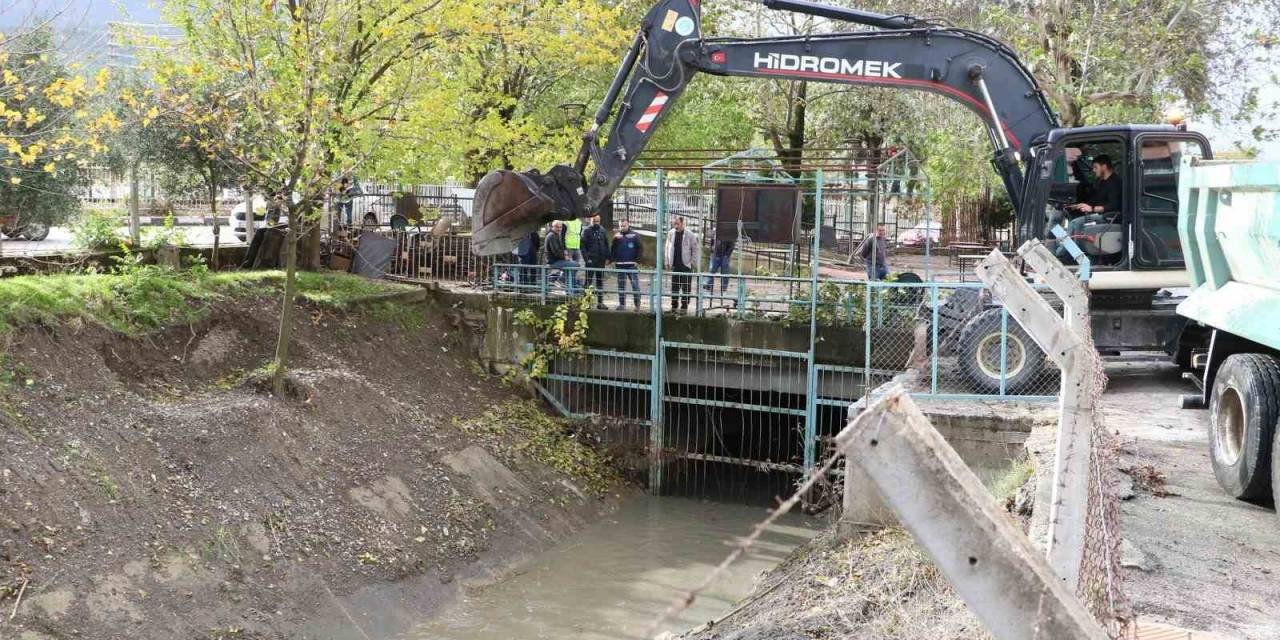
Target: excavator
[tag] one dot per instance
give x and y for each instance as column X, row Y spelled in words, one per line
column 1135, row 255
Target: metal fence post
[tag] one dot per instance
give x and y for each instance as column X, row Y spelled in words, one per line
column 933, row 360
column 866, row 331
column 1004, row 348
column 811, row 393
column 655, row 376
column 542, row 283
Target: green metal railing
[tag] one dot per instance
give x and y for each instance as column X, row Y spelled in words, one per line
column 785, row 402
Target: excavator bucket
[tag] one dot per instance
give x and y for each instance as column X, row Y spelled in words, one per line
column 508, row 205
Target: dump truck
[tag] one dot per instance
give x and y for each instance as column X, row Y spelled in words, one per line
column 1229, row 224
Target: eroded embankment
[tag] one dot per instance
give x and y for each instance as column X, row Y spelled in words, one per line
column 150, row 489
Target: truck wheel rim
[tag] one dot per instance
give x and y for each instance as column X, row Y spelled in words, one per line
column 988, row 355
column 1229, row 427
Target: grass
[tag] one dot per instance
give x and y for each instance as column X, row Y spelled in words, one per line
column 1008, row 485
column 139, row 299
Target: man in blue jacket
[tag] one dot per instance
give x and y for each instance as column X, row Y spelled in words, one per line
column 627, row 252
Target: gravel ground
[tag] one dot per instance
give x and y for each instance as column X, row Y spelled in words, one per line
column 1194, row 557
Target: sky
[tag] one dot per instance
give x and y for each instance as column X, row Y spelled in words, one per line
column 1224, row 138
column 89, row 14
column 92, row 16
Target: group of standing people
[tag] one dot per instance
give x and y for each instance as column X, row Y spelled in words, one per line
column 569, row 246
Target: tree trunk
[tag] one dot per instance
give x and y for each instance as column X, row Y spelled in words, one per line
column 135, row 222
column 248, row 215
column 286, row 305
column 795, row 136
column 312, row 247
column 213, row 210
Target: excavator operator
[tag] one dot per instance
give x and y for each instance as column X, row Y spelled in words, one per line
column 1103, row 196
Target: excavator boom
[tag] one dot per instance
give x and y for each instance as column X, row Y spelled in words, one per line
column 980, row 73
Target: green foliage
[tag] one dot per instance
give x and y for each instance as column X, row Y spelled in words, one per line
column 14, row 373
column 1007, row 486
column 95, row 230
column 845, row 305
column 44, row 137
column 492, row 99
column 563, row 334
column 526, row 429
column 135, row 298
column 838, row 306
column 167, row 235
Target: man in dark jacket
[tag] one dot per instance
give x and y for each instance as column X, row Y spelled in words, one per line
column 527, row 251
column 595, row 251
column 557, row 258
column 721, row 252
column 627, row 252
column 875, row 253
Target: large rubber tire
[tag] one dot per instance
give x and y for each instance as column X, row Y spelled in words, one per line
column 978, row 356
column 1243, row 410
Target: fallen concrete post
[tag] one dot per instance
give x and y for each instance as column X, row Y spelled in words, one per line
column 989, row 562
column 1065, row 342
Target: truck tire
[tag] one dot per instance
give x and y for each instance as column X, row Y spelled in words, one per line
column 1243, row 410
column 978, row 356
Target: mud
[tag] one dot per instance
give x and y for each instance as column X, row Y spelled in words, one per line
column 149, row 489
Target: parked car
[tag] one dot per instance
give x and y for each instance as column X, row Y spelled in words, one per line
column 13, row 228
column 236, row 219
column 915, row 236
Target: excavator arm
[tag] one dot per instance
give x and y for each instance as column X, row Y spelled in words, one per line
column 978, row 72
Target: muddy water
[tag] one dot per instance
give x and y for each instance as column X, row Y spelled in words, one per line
column 611, row 580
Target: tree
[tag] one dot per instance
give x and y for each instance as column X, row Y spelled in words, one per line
column 316, row 85
column 47, row 128
column 491, row 99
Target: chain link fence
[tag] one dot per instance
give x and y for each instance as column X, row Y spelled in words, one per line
column 1101, row 580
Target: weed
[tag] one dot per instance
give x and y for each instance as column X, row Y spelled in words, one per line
column 96, row 230
column 167, row 235
column 407, row 317
column 220, row 545
column 231, row 379
column 563, row 334
column 1007, row 486
column 14, row 373
column 547, row 440
column 109, row 486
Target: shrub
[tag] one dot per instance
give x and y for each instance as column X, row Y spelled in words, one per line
column 96, row 230
column 166, row 236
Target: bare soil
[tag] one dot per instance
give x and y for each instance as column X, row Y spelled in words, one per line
column 150, row 489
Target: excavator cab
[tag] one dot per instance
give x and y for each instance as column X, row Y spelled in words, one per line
column 1143, row 234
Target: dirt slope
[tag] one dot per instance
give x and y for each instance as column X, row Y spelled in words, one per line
column 148, row 489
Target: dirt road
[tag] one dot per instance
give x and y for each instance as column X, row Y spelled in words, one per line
column 1194, row 557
